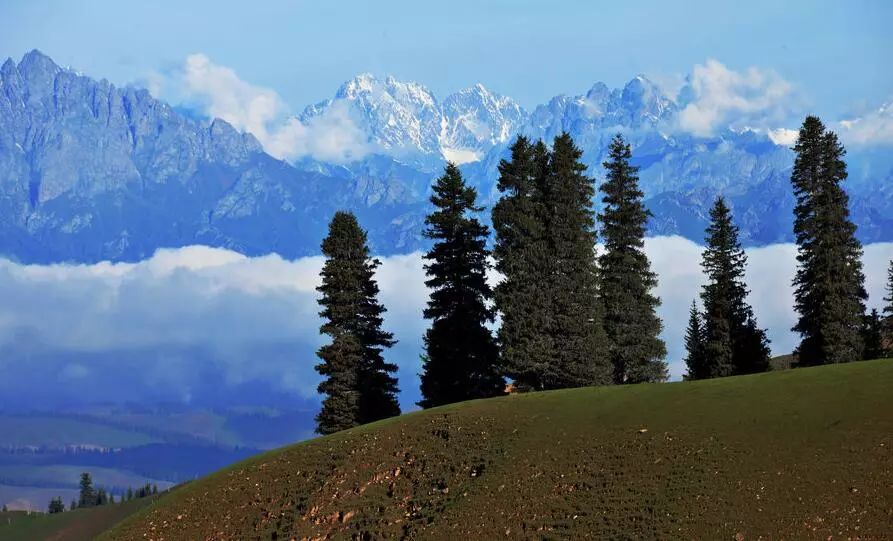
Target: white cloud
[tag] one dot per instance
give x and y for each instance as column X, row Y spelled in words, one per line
column 873, row 128
column 717, row 97
column 202, row 322
column 218, row 90
column 784, row 136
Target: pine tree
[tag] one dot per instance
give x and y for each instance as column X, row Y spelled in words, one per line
column 829, row 285
column 526, row 345
column 580, row 356
column 359, row 387
column 631, row 325
column 694, row 344
column 872, row 336
column 87, row 496
column 887, row 323
column 733, row 344
column 56, row 506
column 461, row 361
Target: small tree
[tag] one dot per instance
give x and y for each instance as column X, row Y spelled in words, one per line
column 694, row 344
column 87, row 496
column 888, row 314
column 129, row 495
column 56, row 506
column 872, row 336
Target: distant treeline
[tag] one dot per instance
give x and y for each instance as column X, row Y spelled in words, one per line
column 90, row 496
column 573, row 316
column 171, row 462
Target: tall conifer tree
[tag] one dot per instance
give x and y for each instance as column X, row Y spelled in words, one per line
column 359, row 387
column 829, row 285
column 461, row 361
column 522, row 257
column 694, row 344
column 580, row 353
column 632, row 327
column 733, row 344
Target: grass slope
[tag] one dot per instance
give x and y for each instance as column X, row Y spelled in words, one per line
column 799, row 454
column 77, row 525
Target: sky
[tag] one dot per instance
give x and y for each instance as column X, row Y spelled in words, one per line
column 835, row 54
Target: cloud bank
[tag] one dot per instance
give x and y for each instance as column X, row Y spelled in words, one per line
column 219, row 93
column 213, row 328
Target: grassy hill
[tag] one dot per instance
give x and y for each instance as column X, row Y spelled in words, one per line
column 797, row 454
column 77, row 525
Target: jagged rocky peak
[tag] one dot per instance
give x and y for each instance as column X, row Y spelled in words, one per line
column 646, row 100
column 35, row 62
column 404, row 119
column 475, row 120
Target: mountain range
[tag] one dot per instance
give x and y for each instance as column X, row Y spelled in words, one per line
column 90, row 171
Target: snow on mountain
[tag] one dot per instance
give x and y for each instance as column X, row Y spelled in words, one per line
column 476, row 120
column 405, row 121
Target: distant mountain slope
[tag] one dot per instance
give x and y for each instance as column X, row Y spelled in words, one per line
column 798, row 454
column 90, row 172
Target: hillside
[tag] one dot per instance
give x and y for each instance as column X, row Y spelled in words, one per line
column 795, row 454
column 78, row 525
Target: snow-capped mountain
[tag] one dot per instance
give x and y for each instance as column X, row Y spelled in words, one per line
column 476, row 120
column 89, row 171
column 405, row 121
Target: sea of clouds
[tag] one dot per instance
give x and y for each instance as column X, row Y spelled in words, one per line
column 209, row 327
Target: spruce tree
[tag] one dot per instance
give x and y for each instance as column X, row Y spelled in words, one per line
column 521, row 256
column 632, row 327
column 872, row 336
column 87, row 496
column 580, row 356
column 56, row 506
column 829, row 284
column 694, row 344
column 887, row 325
column 461, row 361
column 358, row 385
column 733, row 344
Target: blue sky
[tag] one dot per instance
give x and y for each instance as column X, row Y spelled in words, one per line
column 835, row 54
